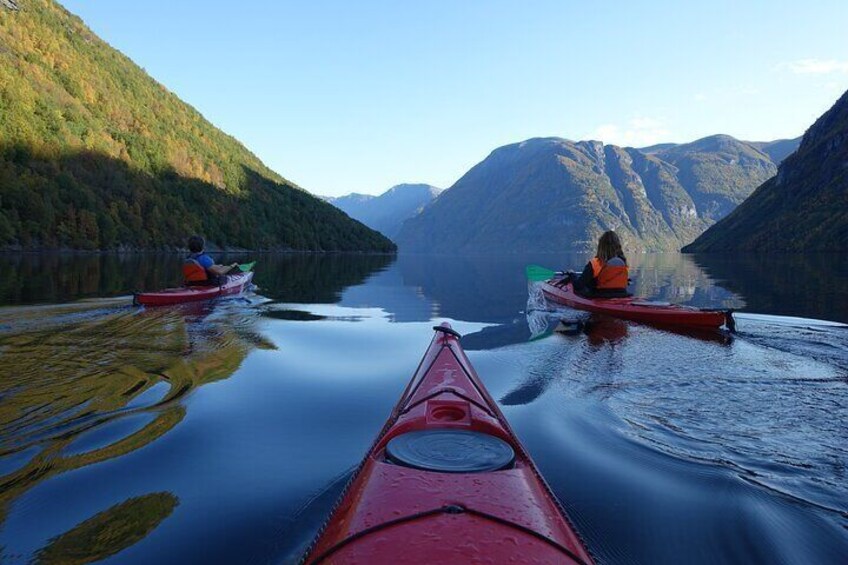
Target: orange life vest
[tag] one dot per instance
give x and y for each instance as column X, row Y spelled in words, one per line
column 193, row 271
column 609, row 277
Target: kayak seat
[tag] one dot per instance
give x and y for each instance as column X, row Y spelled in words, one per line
column 448, row 450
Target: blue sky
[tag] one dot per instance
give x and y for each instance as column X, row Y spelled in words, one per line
column 343, row 97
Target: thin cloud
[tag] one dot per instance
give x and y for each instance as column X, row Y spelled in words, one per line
column 638, row 132
column 816, row 66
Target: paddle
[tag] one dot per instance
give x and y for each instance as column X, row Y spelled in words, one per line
column 536, row 273
column 246, row 266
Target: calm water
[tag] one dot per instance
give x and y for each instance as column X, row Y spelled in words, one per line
column 223, row 432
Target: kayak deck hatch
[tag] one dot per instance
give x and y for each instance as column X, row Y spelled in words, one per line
column 447, row 481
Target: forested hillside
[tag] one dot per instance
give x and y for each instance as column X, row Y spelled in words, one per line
column 804, row 207
column 95, row 154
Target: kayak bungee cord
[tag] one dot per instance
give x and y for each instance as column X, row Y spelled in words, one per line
column 449, row 509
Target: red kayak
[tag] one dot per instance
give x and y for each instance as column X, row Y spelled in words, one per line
column 639, row 310
column 447, row 482
column 234, row 284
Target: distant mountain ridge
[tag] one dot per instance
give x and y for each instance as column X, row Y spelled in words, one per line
column 553, row 194
column 777, row 150
column 387, row 212
column 804, row 207
column 95, row 154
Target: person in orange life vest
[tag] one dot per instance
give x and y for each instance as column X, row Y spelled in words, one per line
column 199, row 268
column 605, row 276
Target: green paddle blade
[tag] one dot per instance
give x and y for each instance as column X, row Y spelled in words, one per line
column 247, row 266
column 536, row 273
column 543, row 335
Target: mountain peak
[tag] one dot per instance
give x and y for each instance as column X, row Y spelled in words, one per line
column 712, row 143
column 413, row 189
column 552, row 194
column 387, row 212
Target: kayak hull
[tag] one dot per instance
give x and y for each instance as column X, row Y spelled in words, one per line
column 391, row 513
column 235, row 284
column 638, row 310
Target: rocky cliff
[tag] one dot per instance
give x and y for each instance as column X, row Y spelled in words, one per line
column 552, row 194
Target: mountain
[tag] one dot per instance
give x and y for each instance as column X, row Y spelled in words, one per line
column 718, row 172
column 387, row 212
column 554, row 195
column 95, row 154
column 778, row 150
column 653, row 149
column 353, row 204
column 804, row 207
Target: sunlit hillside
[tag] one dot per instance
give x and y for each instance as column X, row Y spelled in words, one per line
column 94, row 153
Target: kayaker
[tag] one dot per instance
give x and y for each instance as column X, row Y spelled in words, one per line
column 199, row 268
column 605, row 276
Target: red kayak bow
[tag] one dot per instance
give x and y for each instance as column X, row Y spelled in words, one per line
column 447, row 482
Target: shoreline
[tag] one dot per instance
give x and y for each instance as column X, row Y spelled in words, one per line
column 229, row 251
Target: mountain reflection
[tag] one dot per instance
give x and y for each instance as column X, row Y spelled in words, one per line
column 494, row 289
column 110, row 531
column 85, row 383
column 314, row 278
column 56, row 277
column 811, row 285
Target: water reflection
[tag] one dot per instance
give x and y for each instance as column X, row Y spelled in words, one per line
column 56, row 277
column 312, row 278
column 597, row 337
column 812, row 285
column 109, row 532
column 493, row 289
column 228, row 429
column 604, row 331
column 87, row 383
column 416, row 287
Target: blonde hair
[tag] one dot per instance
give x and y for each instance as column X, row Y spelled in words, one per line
column 609, row 246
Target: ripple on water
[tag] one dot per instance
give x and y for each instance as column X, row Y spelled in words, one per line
column 108, row 433
column 664, row 448
column 638, row 504
column 746, row 436
column 150, row 397
column 16, row 460
column 83, row 383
